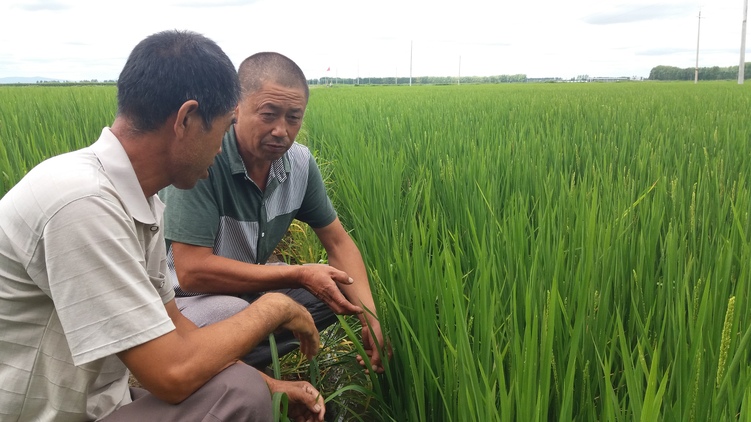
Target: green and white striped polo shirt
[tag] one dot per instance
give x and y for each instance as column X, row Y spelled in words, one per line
column 230, row 214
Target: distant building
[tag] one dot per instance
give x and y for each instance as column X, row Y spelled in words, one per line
column 609, row 79
column 544, row 79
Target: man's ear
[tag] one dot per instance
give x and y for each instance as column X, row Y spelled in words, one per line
column 187, row 117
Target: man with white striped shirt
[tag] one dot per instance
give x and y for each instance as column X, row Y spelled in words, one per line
column 85, row 298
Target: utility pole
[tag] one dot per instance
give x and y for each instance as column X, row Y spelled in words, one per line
column 742, row 64
column 459, row 78
column 410, row 63
column 698, row 33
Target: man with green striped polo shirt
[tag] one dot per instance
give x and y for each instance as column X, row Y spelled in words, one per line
column 221, row 233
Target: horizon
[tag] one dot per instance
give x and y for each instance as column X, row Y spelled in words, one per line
column 44, row 79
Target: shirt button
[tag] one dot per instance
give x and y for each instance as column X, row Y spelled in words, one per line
column 263, row 234
column 154, row 228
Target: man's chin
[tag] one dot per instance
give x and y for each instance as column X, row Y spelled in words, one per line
column 185, row 186
column 190, row 184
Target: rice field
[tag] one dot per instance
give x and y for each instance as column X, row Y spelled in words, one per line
column 37, row 122
column 540, row 252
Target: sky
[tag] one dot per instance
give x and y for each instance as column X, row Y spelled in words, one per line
column 91, row 39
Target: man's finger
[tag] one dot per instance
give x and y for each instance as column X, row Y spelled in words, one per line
column 318, row 406
column 341, row 277
column 375, row 359
column 378, row 369
column 309, row 345
column 340, row 305
column 349, row 280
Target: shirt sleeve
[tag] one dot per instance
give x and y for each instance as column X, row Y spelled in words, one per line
column 316, row 209
column 191, row 216
column 98, row 270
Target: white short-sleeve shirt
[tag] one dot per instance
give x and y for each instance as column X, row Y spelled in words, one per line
column 82, row 277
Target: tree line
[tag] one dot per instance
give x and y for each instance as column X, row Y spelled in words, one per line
column 419, row 80
column 714, row 73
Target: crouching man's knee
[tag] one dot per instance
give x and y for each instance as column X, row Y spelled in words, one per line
column 241, row 395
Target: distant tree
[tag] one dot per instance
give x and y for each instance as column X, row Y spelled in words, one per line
column 420, row 80
column 714, row 73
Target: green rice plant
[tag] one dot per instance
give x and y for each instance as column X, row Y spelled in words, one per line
column 550, row 252
column 539, row 252
column 348, row 391
column 38, row 122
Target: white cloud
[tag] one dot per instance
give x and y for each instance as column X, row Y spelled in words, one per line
column 34, row 5
column 627, row 13
column 91, row 39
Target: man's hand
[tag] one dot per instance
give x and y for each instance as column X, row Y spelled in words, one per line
column 373, row 347
column 305, row 402
column 297, row 320
column 323, row 282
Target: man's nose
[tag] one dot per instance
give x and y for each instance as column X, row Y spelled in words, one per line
column 280, row 129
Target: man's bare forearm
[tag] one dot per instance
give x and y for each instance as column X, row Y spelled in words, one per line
column 173, row 366
column 200, row 271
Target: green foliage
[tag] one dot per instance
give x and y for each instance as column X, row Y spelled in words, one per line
column 38, row 122
column 714, row 73
column 349, row 393
column 551, row 252
column 539, row 252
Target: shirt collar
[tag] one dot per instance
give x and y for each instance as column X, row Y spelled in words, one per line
column 120, row 171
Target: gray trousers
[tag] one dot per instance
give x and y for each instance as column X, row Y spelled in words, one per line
column 238, row 393
column 207, row 309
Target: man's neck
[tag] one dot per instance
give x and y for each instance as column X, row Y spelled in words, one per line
column 142, row 148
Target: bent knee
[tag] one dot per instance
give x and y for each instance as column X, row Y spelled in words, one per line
column 246, row 392
column 205, row 310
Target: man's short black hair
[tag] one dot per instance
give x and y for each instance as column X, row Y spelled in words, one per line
column 169, row 68
column 271, row 67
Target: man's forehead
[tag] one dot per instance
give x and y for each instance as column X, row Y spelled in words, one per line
column 279, row 96
column 281, row 106
column 272, row 84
